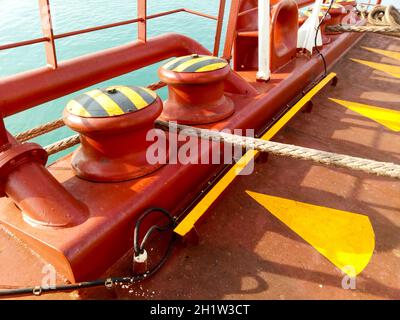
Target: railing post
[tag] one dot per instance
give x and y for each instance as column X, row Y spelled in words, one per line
column 142, row 24
column 220, row 22
column 263, row 73
column 47, row 29
column 231, row 29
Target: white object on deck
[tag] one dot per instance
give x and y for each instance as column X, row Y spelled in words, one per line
column 307, row 32
column 263, row 40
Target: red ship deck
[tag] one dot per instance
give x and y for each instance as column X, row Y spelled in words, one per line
column 245, row 252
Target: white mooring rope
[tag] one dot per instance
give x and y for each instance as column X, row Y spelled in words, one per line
column 385, row 169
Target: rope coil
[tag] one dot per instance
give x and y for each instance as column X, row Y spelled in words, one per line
column 381, row 19
column 384, row 16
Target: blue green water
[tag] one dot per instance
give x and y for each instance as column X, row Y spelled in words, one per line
column 19, row 20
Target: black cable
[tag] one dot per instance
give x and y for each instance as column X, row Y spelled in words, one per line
column 138, row 249
column 109, row 282
column 316, row 38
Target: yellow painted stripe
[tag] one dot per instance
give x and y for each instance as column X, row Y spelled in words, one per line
column 386, row 117
column 106, row 102
column 186, row 64
column 132, row 95
column 387, row 68
column 201, row 207
column 345, row 238
column 77, row 109
column 168, row 64
column 387, row 53
column 213, row 66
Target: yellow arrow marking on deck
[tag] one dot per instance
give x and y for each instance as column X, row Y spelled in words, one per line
column 387, row 53
column 387, row 117
column 202, row 206
column 387, row 68
column 346, row 239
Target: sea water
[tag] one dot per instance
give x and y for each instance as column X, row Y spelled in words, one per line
column 19, row 20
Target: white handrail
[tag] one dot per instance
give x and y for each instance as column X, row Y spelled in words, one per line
column 263, row 40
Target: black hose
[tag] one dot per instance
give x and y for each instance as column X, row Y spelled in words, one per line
column 316, row 38
column 109, row 282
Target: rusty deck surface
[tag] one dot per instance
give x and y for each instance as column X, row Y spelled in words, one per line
column 245, row 252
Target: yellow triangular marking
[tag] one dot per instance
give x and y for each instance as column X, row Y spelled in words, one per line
column 387, row 117
column 387, row 53
column 387, row 68
column 344, row 238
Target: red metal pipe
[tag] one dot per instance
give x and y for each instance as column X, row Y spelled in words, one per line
column 249, row 34
column 106, row 26
column 28, row 89
column 165, row 13
column 200, row 14
column 23, row 43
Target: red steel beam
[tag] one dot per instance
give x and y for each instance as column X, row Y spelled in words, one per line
column 47, row 29
column 220, row 22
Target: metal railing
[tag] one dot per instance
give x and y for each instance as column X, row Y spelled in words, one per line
column 49, row 37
